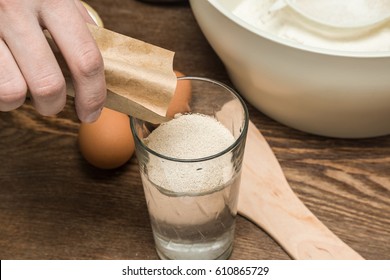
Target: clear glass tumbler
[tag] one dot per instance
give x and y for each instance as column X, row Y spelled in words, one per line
column 195, row 224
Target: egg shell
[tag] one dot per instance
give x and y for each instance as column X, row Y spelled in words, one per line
column 108, row 142
column 93, row 14
column 181, row 98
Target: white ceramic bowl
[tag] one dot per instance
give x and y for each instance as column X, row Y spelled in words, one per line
column 331, row 93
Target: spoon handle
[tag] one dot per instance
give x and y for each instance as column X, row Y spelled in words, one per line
column 267, row 199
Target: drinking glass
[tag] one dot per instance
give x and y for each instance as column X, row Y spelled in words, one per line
column 198, row 223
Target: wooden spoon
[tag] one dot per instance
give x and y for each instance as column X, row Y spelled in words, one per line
column 267, row 200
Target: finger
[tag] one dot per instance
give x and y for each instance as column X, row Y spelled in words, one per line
column 84, row 12
column 37, row 63
column 82, row 56
column 13, row 88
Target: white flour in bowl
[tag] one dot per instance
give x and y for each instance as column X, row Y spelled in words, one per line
column 289, row 25
column 344, row 12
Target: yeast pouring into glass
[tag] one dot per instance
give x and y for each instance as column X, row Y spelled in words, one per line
column 190, row 169
column 209, row 214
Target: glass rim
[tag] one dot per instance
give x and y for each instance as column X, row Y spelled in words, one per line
column 216, row 155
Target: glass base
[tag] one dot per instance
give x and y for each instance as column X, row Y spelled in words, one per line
column 224, row 256
column 219, row 249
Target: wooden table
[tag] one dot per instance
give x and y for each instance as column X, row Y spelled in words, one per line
column 53, row 205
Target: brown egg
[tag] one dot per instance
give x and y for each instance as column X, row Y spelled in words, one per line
column 181, row 99
column 107, row 143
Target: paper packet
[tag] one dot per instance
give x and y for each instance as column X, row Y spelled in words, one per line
column 139, row 76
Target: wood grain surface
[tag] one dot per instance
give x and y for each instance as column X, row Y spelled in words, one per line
column 53, row 205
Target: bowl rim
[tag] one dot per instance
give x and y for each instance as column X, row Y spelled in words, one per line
column 268, row 35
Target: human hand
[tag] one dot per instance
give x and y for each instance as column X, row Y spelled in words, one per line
column 27, row 62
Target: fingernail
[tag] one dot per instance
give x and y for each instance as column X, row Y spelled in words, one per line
column 93, row 116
